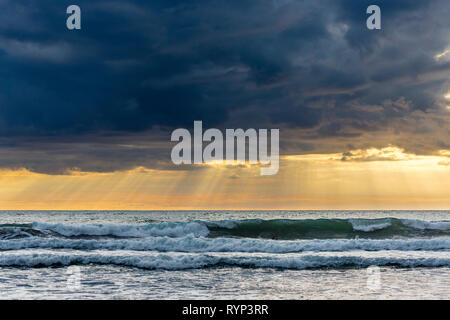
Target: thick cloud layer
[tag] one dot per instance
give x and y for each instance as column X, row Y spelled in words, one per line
column 311, row 68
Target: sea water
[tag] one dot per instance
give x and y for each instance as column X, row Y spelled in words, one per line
column 225, row 255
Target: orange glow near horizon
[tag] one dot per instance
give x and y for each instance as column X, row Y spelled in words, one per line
column 386, row 178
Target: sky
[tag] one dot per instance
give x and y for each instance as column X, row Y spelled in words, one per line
column 86, row 115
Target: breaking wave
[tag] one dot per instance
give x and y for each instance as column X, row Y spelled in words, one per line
column 202, row 244
column 329, row 228
column 277, row 229
column 189, row 261
column 251, row 243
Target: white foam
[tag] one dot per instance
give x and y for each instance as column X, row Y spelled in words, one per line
column 426, row 225
column 201, row 244
column 368, row 225
column 190, row 261
column 227, row 224
column 170, row 229
column 14, row 232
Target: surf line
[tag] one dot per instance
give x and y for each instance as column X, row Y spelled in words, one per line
column 213, row 152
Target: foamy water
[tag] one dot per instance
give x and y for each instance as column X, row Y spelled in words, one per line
column 165, row 255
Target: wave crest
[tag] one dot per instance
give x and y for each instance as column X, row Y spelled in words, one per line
column 277, row 229
column 180, row 262
column 199, row 245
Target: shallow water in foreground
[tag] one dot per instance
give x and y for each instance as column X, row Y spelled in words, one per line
column 107, row 282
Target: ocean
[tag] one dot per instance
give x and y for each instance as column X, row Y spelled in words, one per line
column 225, row 255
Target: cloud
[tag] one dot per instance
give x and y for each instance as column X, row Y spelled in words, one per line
column 311, row 68
column 373, row 154
column 57, row 53
column 444, row 163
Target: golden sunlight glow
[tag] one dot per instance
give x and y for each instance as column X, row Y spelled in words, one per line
column 384, row 178
column 225, row 163
column 441, row 55
column 447, row 96
column 445, row 153
column 388, row 153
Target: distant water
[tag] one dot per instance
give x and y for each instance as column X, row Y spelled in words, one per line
column 225, row 255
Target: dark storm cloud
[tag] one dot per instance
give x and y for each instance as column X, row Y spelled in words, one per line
column 307, row 65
